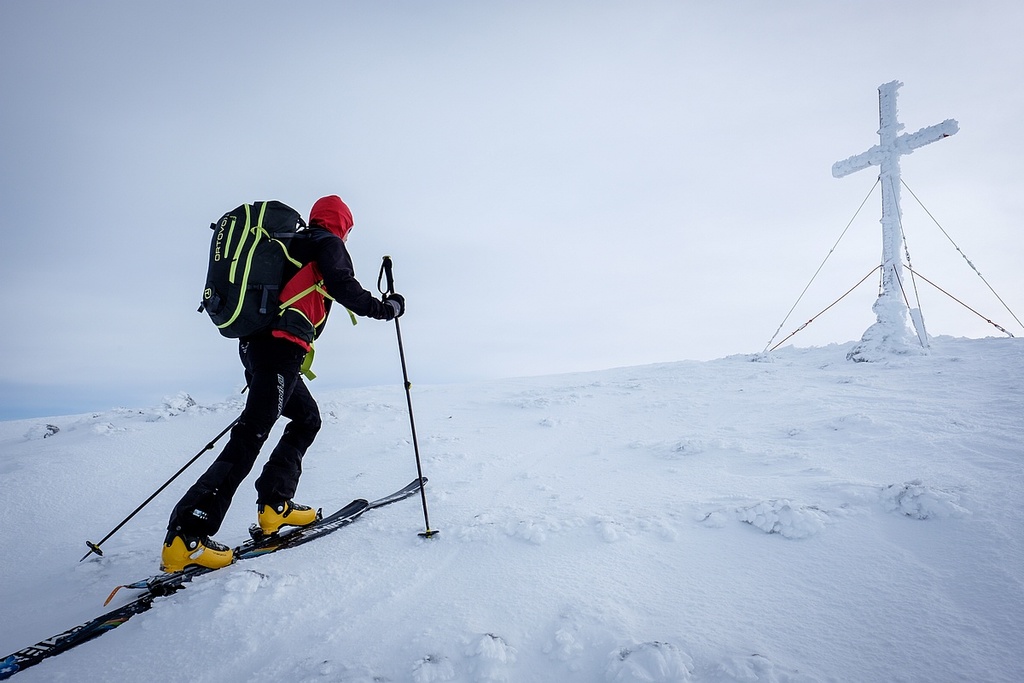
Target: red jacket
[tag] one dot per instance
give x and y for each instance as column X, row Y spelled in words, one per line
column 304, row 296
column 326, row 275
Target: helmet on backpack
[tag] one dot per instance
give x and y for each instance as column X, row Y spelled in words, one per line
column 333, row 214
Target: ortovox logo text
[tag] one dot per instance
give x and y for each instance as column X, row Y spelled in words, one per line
column 220, row 238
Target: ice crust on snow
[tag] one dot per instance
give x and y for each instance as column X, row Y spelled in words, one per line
column 916, row 500
column 889, row 338
column 784, row 518
column 654, row 661
column 783, row 521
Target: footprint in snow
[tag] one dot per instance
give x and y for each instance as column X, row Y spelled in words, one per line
column 314, row 670
column 493, row 659
column 433, row 669
column 757, row 668
column 918, row 501
column 564, row 646
column 653, row 662
column 608, row 529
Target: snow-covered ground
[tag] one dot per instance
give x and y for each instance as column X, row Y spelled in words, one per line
column 803, row 518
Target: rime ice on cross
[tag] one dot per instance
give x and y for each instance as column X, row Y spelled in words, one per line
column 889, row 308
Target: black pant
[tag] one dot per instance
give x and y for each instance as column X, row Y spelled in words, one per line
column 275, row 389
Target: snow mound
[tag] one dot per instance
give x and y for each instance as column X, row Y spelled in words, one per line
column 889, row 338
column 653, row 662
column 784, row 518
column 755, row 669
column 178, row 404
column 41, row 431
column 918, row 501
column 492, row 658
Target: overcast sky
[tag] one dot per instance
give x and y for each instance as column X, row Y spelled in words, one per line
column 563, row 186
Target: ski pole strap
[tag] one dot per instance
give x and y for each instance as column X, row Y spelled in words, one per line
column 385, row 273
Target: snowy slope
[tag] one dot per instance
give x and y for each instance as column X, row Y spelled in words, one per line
column 800, row 519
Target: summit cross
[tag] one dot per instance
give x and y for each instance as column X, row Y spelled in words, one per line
column 890, row 309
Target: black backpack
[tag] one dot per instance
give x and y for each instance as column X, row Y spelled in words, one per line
column 248, row 263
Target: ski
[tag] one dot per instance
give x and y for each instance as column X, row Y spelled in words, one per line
column 166, row 584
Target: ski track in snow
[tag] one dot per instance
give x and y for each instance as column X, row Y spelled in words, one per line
column 804, row 519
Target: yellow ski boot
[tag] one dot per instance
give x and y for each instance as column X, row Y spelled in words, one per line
column 182, row 551
column 273, row 517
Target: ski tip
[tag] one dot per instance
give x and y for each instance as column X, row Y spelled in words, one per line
column 112, row 594
column 9, row 667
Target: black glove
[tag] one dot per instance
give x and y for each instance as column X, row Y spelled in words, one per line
column 394, row 305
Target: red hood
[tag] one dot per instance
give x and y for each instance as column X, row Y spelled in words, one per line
column 333, row 214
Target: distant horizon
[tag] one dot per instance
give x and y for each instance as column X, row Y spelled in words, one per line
column 74, row 402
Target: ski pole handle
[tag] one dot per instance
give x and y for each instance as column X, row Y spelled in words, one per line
column 388, row 274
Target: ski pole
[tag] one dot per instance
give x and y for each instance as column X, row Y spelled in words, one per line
column 385, row 271
column 95, row 547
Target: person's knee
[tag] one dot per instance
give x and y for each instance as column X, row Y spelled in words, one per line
column 310, row 421
column 301, row 432
column 314, row 423
column 252, row 431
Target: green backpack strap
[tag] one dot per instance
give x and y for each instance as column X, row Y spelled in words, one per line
column 307, row 364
